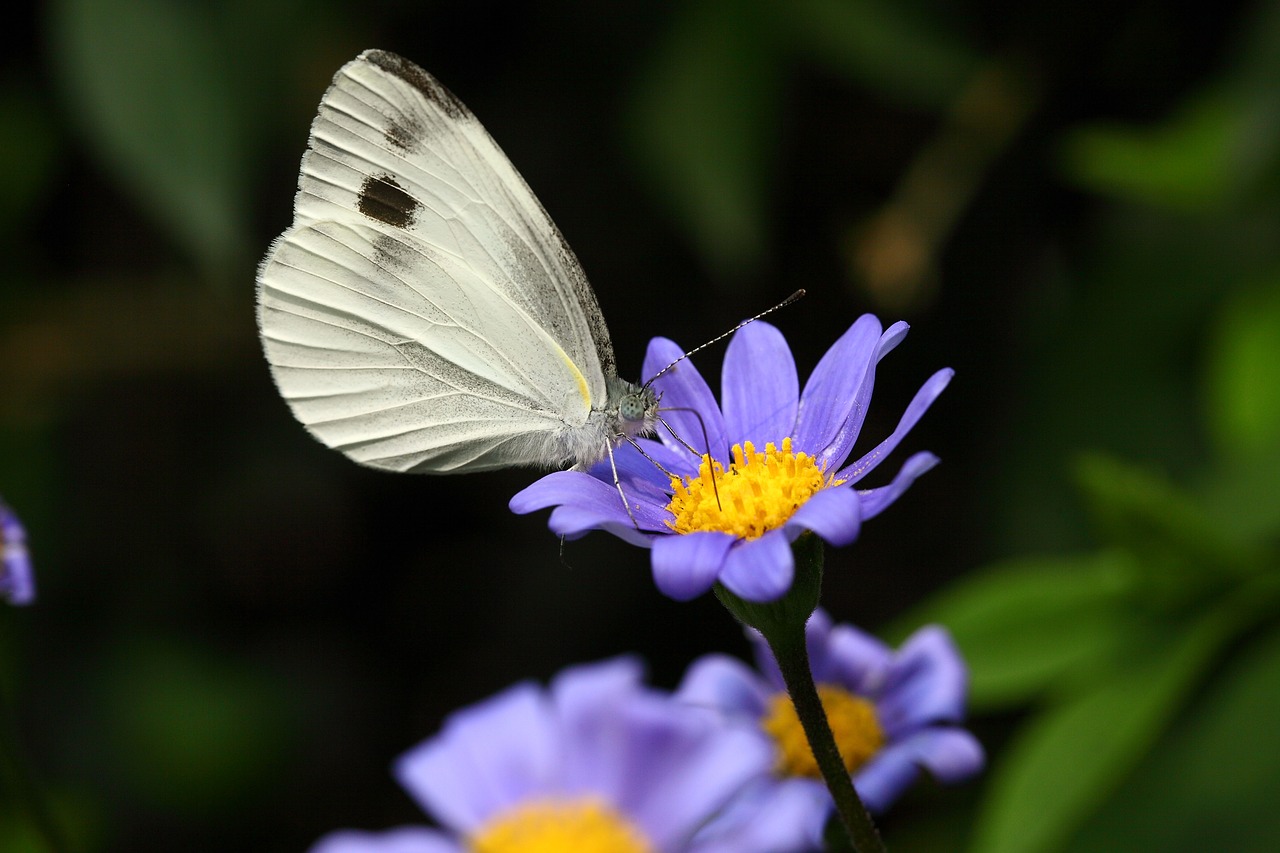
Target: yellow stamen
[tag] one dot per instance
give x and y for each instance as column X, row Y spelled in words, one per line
column 853, row 722
column 585, row 824
column 758, row 493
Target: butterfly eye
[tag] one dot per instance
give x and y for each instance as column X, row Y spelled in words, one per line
column 632, row 408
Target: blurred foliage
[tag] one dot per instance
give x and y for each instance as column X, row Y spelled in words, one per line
column 1076, row 206
column 1108, row 648
column 705, row 120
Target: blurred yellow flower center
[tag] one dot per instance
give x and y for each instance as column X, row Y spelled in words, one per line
column 553, row 826
column 853, row 722
column 759, row 492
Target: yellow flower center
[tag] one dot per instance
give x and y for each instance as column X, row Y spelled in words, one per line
column 758, row 493
column 552, row 826
column 853, row 722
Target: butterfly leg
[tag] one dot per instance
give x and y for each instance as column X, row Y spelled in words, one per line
column 618, row 485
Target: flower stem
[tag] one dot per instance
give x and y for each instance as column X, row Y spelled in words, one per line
column 782, row 623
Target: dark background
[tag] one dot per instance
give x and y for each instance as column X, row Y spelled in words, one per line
column 238, row 629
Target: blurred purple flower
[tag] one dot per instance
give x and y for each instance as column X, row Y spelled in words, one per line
column 893, row 713
column 595, row 762
column 17, row 581
column 778, row 455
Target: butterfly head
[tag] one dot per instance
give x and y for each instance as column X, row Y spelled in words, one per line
column 637, row 408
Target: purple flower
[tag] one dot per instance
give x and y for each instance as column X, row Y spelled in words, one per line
column 892, row 713
column 596, row 759
column 776, row 468
column 17, row 581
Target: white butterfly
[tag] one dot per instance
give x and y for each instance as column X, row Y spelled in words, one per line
column 424, row 313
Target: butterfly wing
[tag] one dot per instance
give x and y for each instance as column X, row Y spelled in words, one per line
column 424, row 313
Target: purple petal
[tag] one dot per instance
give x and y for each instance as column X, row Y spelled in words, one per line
column 680, row 462
column 597, row 755
column 586, row 503
column 837, row 452
column 685, row 566
column 662, row 763
column 816, row 630
column 408, row 839
column 854, row 660
column 759, row 389
column 876, row 501
column 691, row 768
column 892, row 336
column 488, row 757
column 926, row 682
column 766, row 664
column 725, row 684
column 573, row 522
column 777, row 815
column 949, row 754
column 682, row 387
column 582, row 693
column 833, row 513
column 760, row 569
column 831, row 408
column 560, row 487
column 17, row 580
column 634, row 470
column 919, row 404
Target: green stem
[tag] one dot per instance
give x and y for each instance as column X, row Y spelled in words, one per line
column 782, row 623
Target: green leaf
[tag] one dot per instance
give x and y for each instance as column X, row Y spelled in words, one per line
column 1212, row 784
column 29, row 145
column 1242, row 496
column 1068, row 759
column 149, row 87
column 1243, row 374
column 1182, row 551
column 890, row 47
column 1026, row 624
column 703, row 123
column 1187, row 164
column 191, row 733
column 19, row 837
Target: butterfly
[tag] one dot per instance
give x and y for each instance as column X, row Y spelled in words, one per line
column 423, row 313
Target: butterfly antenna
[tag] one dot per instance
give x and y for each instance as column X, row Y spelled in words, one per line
column 706, row 442
column 783, row 304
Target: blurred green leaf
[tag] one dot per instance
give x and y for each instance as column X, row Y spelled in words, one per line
column 149, row 87
column 703, row 124
column 73, row 822
column 28, row 151
column 1185, row 164
column 1242, row 496
column 18, row 836
column 192, row 732
column 1024, row 624
column 1243, row 374
column 1066, row 761
column 1180, row 548
column 891, row 48
column 1212, row 784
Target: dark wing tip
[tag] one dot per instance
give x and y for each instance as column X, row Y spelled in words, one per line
column 431, row 88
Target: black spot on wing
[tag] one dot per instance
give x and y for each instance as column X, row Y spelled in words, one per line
column 430, row 87
column 384, row 200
